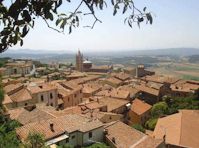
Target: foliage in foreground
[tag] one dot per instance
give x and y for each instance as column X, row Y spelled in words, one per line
column 98, row 145
column 35, row 140
column 159, row 109
column 151, row 123
column 18, row 16
column 171, row 105
column 8, row 137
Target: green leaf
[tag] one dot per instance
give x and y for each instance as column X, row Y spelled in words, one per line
column 130, row 24
column 124, row 9
column 24, row 31
column 112, row 1
column 63, row 24
column 149, row 18
column 77, row 19
column 26, row 16
column 70, row 29
column 138, row 23
column 114, row 12
column 21, row 43
column 15, row 39
column 140, row 19
column 59, row 3
column 58, row 21
column 51, row 16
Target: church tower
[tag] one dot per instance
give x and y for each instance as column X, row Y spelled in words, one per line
column 79, row 61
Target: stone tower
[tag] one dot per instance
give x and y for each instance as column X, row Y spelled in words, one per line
column 79, row 61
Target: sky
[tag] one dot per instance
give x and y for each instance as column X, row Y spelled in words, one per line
column 175, row 25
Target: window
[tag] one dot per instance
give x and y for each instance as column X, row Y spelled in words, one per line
column 42, row 98
column 68, row 99
column 51, row 95
column 90, row 134
column 75, row 95
column 67, row 140
column 15, row 71
column 26, row 104
column 51, row 104
column 73, row 137
column 110, row 117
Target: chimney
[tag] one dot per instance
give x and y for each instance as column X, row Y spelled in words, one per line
column 113, row 140
column 30, row 107
column 52, row 127
column 164, row 137
column 106, row 132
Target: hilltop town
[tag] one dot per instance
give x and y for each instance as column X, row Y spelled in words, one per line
column 89, row 105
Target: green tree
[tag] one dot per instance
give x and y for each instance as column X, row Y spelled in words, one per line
column 151, row 123
column 35, row 140
column 8, row 137
column 65, row 146
column 139, row 127
column 17, row 17
column 98, row 145
column 1, row 95
column 159, row 109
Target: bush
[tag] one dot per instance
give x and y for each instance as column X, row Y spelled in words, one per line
column 139, row 127
column 98, row 145
column 65, row 146
column 151, row 123
column 8, row 137
column 159, row 109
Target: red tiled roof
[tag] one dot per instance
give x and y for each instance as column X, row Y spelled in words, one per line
column 140, row 107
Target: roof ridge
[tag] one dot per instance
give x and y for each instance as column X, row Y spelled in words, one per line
column 180, row 127
column 139, row 141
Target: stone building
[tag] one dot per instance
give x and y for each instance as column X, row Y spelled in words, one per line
column 139, row 112
column 141, row 71
column 87, row 66
column 18, row 68
column 74, row 130
column 120, row 135
column 79, row 62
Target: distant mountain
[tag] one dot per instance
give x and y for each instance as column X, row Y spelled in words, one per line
column 172, row 51
column 41, row 55
column 152, row 52
column 57, row 55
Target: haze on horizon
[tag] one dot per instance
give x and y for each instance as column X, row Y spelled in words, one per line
column 175, row 25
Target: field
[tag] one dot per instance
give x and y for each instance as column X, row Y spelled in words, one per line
column 182, row 70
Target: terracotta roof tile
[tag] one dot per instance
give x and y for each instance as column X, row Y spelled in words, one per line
column 68, row 123
column 114, row 93
column 21, row 95
column 113, row 103
column 144, row 88
column 140, row 107
column 127, row 137
column 7, row 100
column 161, row 79
column 43, row 87
column 113, row 80
column 24, row 116
column 12, row 87
column 180, row 128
